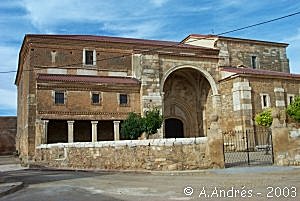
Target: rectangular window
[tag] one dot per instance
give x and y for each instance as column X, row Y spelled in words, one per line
column 265, row 101
column 59, row 97
column 95, row 98
column 290, row 98
column 254, row 62
column 89, row 57
column 123, row 99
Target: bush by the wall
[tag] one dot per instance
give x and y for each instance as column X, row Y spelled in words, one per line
column 293, row 110
column 135, row 125
column 152, row 121
column 132, row 127
column 264, row 118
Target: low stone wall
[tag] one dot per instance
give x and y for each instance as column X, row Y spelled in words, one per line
column 8, row 131
column 155, row 154
column 286, row 144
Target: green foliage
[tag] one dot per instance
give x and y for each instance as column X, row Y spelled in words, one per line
column 293, row 110
column 135, row 125
column 132, row 127
column 152, row 121
column 264, row 118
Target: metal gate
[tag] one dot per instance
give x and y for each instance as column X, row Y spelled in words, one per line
column 250, row 147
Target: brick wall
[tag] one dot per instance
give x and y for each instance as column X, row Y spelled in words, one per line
column 8, row 131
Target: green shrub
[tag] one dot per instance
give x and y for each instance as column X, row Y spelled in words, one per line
column 293, row 110
column 135, row 125
column 152, row 121
column 132, row 127
column 264, row 118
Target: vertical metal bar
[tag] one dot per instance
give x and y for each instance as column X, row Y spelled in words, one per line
column 223, row 135
column 248, row 156
column 271, row 142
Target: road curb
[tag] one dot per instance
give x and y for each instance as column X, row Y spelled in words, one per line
column 8, row 188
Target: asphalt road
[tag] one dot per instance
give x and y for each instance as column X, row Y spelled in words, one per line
column 259, row 183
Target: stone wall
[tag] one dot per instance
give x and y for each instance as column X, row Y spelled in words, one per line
column 239, row 52
column 8, row 131
column 286, row 141
column 156, row 154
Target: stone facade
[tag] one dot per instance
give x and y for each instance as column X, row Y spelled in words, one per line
column 8, row 131
column 60, row 76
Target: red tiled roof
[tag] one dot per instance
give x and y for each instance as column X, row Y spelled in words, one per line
column 87, row 79
column 252, row 71
column 116, row 40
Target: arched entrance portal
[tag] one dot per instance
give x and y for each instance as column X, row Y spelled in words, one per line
column 188, row 97
column 174, row 128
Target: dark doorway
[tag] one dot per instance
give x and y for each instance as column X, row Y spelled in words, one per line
column 82, row 131
column 57, row 131
column 173, row 128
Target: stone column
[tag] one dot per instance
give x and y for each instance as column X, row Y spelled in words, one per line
column 242, row 105
column 280, row 140
column 70, row 131
column 45, row 129
column 215, row 143
column 94, row 131
column 280, row 103
column 39, row 132
column 116, row 130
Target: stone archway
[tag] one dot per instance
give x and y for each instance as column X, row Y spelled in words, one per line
column 188, row 96
column 174, row 128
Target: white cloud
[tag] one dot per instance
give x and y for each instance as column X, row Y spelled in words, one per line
column 111, row 15
column 159, row 2
column 135, row 30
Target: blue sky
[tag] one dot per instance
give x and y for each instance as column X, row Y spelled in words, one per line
column 148, row 19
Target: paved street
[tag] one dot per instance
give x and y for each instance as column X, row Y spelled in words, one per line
column 259, row 182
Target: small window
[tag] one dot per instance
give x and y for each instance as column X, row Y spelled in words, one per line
column 59, row 97
column 89, row 57
column 95, row 98
column 265, row 101
column 123, row 99
column 254, row 62
column 290, row 98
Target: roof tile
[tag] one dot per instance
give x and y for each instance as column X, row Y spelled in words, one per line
column 258, row 72
column 87, row 79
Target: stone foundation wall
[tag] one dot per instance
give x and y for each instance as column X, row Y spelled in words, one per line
column 155, row 154
column 286, row 143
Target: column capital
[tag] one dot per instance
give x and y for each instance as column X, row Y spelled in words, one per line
column 94, row 122
column 117, row 122
column 70, row 122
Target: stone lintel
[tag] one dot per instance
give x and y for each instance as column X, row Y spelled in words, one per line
column 278, row 90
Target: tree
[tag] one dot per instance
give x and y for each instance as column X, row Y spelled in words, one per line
column 135, row 125
column 264, row 118
column 132, row 127
column 152, row 121
column 293, row 110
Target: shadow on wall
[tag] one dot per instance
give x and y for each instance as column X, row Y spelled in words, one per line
column 8, row 131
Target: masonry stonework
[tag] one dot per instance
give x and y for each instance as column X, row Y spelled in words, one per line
column 157, row 154
column 60, row 77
